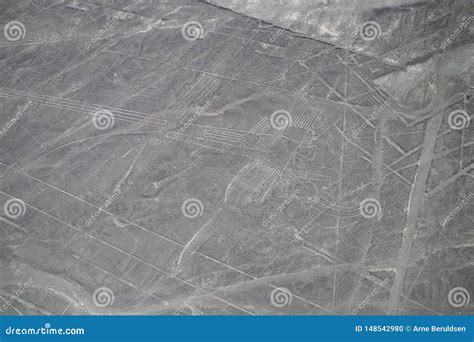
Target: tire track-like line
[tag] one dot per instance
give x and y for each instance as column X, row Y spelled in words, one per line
column 415, row 204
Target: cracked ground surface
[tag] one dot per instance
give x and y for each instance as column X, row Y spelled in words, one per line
column 179, row 157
